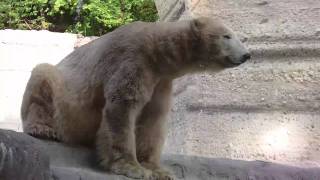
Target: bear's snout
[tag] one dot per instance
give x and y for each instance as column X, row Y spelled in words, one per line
column 245, row 57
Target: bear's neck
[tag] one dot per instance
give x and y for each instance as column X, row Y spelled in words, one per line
column 174, row 49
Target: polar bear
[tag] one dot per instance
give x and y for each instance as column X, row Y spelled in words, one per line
column 114, row 92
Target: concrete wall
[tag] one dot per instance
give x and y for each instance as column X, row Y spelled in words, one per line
column 266, row 109
column 20, row 51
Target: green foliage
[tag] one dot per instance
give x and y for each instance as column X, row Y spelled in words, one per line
column 23, row 14
column 88, row 17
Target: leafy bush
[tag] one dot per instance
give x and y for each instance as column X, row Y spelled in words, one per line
column 88, row 17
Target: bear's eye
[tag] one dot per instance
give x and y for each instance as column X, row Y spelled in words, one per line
column 227, row 36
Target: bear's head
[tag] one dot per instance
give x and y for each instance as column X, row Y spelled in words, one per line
column 217, row 46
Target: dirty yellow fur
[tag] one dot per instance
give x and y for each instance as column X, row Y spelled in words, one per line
column 115, row 92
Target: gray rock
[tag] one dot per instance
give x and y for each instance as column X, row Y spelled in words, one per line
column 21, row 157
column 24, row 157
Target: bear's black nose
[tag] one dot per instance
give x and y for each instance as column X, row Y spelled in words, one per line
column 245, row 57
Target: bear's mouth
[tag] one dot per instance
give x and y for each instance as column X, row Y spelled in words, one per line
column 229, row 63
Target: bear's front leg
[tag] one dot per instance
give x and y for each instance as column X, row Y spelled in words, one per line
column 125, row 98
column 116, row 143
column 151, row 130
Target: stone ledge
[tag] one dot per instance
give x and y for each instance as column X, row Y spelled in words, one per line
column 21, row 157
column 29, row 159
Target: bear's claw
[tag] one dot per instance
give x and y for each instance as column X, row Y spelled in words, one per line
column 41, row 131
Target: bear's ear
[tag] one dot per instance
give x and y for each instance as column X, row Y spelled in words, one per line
column 199, row 23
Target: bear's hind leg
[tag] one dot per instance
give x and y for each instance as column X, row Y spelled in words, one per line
column 39, row 123
column 37, row 106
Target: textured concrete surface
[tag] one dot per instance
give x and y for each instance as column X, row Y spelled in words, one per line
column 30, row 157
column 266, row 109
column 257, row 18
